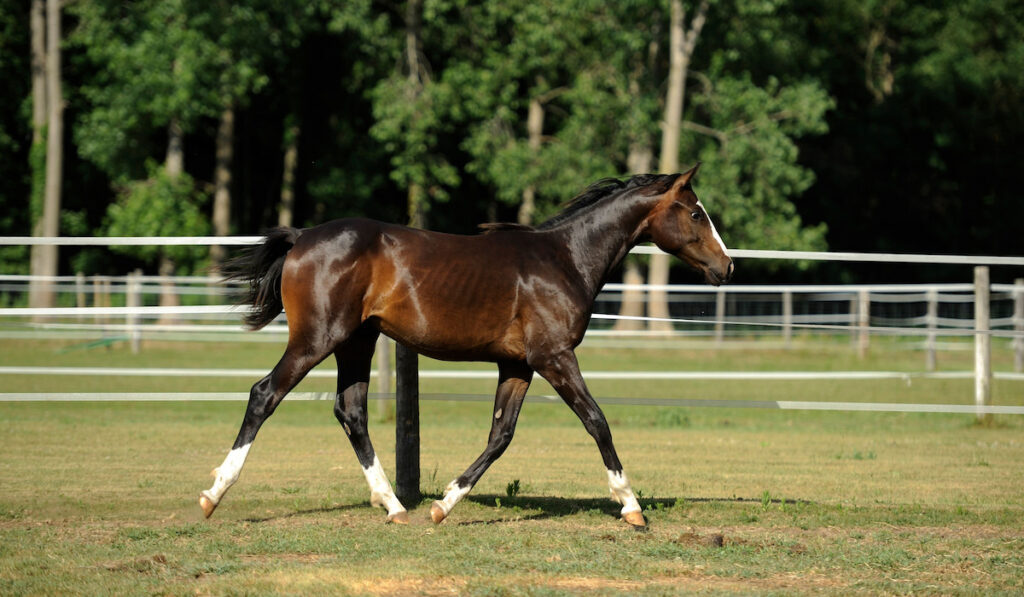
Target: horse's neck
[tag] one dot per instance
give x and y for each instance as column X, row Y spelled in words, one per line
column 599, row 238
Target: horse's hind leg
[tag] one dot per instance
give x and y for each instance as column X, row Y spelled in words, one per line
column 264, row 397
column 354, row 358
column 513, row 382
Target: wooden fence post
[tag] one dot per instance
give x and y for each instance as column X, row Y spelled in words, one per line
column 719, row 316
column 863, row 321
column 982, row 343
column 932, row 321
column 1018, row 324
column 80, row 292
column 407, row 425
column 133, row 298
column 853, row 319
column 787, row 318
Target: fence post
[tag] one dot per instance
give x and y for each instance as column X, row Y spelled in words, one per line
column 383, row 376
column 982, row 343
column 80, row 292
column 132, row 298
column 863, row 321
column 853, row 319
column 100, row 296
column 932, row 321
column 719, row 316
column 787, row 318
column 1018, row 324
column 407, row 425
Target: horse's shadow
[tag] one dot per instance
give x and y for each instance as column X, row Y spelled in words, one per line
column 532, row 507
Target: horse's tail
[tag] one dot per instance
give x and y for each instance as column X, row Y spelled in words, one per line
column 261, row 266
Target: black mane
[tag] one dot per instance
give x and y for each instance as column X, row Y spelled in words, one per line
column 605, row 188
column 599, row 190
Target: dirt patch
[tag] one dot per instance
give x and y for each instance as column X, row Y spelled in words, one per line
column 146, row 565
column 693, row 539
column 412, row 586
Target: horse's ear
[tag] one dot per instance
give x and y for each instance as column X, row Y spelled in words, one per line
column 683, row 181
column 685, row 177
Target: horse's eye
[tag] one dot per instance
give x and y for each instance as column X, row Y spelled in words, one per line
column 696, row 215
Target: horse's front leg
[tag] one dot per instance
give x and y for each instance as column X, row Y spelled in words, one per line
column 563, row 373
column 350, row 409
column 513, row 382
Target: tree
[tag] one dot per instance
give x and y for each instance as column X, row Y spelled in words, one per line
column 44, row 257
column 407, row 107
column 683, row 40
column 163, row 204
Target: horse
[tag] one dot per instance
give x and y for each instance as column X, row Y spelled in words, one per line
column 514, row 295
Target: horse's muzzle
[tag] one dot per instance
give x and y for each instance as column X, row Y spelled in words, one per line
column 718, row 276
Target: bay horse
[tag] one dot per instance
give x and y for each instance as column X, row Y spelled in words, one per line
column 518, row 296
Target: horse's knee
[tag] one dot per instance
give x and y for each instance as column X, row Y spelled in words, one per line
column 352, row 417
column 261, row 399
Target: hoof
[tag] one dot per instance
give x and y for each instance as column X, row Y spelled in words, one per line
column 207, row 505
column 399, row 517
column 437, row 512
column 635, row 519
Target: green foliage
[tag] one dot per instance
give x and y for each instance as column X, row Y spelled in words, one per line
column 751, row 172
column 792, row 106
column 409, row 123
column 158, row 206
column 155, row 67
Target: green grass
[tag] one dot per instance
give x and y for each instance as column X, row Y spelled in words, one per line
column 100, row 498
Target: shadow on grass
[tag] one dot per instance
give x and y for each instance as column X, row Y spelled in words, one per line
column 541, row 508
column 536, row 508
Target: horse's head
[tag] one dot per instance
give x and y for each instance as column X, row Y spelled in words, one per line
column 680, row 225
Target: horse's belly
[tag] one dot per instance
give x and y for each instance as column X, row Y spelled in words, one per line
column 464, row 339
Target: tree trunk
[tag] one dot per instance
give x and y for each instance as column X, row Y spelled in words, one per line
column 222, row 185
column 417, row 206
column 168, row 298
column 417, row 197
column 285, row 213
column 43, row 295
column 535, row 130
column 174, row 166
column 681, row 45
column 37, row 156
column 174, row 163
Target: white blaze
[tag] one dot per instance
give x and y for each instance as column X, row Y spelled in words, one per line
column 380, row 488
column 621, row 492
column 714, row 231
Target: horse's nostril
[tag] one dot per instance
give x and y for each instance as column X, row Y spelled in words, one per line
column 729, row 270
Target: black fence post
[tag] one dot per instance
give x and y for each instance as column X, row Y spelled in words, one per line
column 407, row 425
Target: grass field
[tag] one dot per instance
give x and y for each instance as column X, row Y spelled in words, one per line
column 100, row 498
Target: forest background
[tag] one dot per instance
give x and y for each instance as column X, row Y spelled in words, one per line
column 847, row 125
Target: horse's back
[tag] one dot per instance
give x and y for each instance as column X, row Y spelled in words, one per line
column 449, row 296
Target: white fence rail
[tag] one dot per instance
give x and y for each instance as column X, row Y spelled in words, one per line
column 929, row 311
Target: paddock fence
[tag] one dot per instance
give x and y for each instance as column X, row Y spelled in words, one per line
column 930, row 318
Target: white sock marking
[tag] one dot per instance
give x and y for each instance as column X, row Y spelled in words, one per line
column 621, row 492
column 227, row 473
column 381, row 493
column 452, row 495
